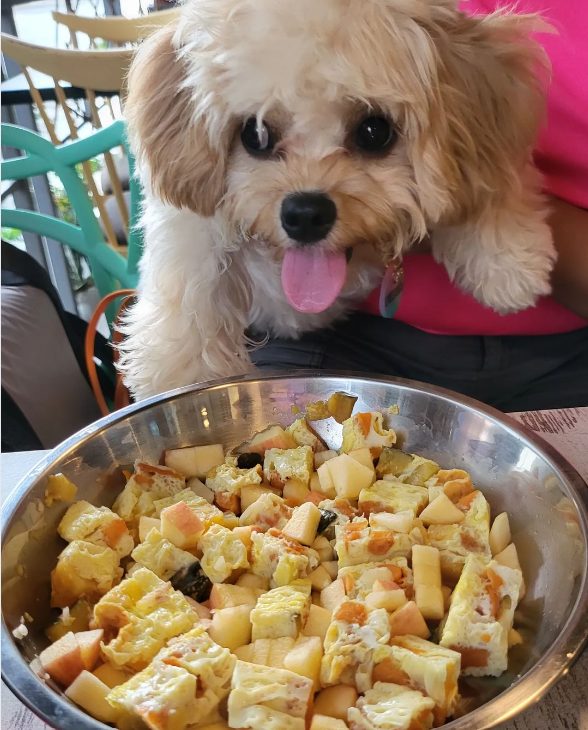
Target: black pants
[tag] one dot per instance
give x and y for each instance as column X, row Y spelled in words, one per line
column 512, row 373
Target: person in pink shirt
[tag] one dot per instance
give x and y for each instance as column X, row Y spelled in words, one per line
column 537, row 358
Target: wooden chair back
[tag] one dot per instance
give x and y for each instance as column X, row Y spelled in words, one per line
column 114, row 29
column 98, row 75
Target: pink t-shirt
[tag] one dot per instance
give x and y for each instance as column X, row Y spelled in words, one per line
column 429, row 300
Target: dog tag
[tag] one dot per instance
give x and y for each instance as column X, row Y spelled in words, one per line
column 391, row 289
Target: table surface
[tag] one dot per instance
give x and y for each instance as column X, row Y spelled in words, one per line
column 565, row 707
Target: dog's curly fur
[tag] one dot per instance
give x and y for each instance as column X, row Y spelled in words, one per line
column 465, row 94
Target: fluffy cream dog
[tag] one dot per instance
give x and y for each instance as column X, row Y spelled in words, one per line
column 276, row 138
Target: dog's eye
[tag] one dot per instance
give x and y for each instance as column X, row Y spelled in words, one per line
column 257, row 140
column 374, row 134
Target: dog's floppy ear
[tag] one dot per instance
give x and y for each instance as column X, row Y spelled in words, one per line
column 490, row 105
column 185, row 168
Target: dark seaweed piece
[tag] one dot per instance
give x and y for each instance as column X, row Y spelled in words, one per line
column 193, row 582
column 249, row 461
column 327, row 518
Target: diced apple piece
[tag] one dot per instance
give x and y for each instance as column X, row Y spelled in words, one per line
column 390, row 600
column 252, row 492
column 499, row 537
column 446, row 590
column 244, row 653
column 320, row 578
column 111, row 676
column 303, row 524
column 200, row 489
column 63, row 660
column 332, row 595
column 349, row 476
column 195, row 461
column 244, row 532
column 59, row 489
column 426, row 567
column 228, row 502
column 89, row 693
column 327, row 487
column 321, row 456
column 323, row 548
column 202, row 610
column 335, row 701
column 272, row 437
column 332, row 568
column 231, row 627
column 305, row 659
column 441, row 511
column 295, row 492
column 514, row 638
column 510, row 557
column 146, row 524
column 324, row 722
column 76, row 618
column 395, row 522
column 261, row 651
column 89, row 642
column 408, row 620
column 226, row 595
column 279, row 649
column 250, row 580
column 181, row 525
column 318, row 622
column 364, row 456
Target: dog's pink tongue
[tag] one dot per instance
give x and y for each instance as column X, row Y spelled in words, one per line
column 312, row 279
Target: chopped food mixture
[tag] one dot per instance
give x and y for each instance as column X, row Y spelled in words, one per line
column 283, row 585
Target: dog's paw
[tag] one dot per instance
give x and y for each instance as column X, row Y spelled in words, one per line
column 506, row 268
column 509, row 290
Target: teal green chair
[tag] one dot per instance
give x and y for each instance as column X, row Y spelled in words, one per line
column 110, row 270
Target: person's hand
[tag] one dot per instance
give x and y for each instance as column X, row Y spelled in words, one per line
column 570, row 275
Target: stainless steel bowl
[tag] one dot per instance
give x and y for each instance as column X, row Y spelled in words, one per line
column 516, row 470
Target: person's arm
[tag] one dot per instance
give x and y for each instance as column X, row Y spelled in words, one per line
column 570, row 275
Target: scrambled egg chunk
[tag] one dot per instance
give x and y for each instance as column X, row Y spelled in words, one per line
column 481, row 616
column 181, row 686
column 357, row 542
column 351, row 640
column 280, row 559
column 471, row 537
column 222, row 553
column 430, row 668
column 393, row 496
column 83, row 570
column 275, row 699
column 359, row 579
column 366, row 429
column 281, row 611
column 280, row 465
column 161, row 556
column 390, row 706
column 229, row 478
column 148, row 483
column 98, row 525
column 142, row 613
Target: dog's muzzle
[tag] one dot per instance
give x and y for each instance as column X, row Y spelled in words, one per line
column 308, row 217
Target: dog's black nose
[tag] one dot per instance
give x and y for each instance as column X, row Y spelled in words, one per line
column 308, row 217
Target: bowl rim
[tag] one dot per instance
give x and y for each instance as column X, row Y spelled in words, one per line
column 525, row 691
